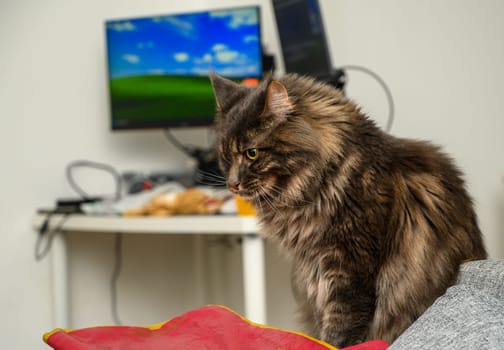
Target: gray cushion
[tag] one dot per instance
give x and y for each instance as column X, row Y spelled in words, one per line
column 484, row 274
column 469, row 315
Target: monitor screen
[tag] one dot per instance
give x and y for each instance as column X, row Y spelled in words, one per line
column 302, row 37
column 158, row 66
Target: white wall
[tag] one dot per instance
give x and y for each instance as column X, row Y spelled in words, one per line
column 442, row 60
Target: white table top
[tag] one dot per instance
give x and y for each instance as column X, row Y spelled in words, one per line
column 184, row 224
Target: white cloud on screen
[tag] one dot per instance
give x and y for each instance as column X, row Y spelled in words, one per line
column 237, row 18
column 226, row 56
column 238, row 71
column 206, row 58
column 219, row 47
column 250, row 38
column 156, row 72
column 125, row 26
column 181, row 57
column 133, row 59
column 184, row 28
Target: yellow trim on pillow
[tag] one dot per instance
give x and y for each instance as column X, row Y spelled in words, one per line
column 47, row 335
column 156, row 326
column 321, row 342
column 54, row 331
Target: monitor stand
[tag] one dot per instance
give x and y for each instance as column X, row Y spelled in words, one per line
column 336, row 78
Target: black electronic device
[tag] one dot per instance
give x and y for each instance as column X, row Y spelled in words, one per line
column 303, row 41
column 158, row 65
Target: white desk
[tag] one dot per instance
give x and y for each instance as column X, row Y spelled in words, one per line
column 252, row 250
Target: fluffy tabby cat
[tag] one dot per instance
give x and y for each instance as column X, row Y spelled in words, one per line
column 377, row 226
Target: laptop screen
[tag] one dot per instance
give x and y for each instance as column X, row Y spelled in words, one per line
column 302, row 37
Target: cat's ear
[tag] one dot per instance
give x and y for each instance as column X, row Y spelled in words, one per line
column 225, row 91
column 278, row 104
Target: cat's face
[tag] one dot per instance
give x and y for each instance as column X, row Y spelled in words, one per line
column 261, row 146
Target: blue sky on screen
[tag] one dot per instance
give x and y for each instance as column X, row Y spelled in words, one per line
column 226, row 41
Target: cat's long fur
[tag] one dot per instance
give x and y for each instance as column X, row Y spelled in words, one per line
column 377, row 226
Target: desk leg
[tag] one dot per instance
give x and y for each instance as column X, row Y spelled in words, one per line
column 59, row 277
column 254, row 278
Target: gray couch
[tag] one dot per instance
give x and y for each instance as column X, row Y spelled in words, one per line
column 469, row 316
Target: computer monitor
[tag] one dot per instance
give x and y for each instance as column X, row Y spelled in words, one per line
column 158, row 65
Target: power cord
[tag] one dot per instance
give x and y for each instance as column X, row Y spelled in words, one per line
column 47, row 234
column 91, row 164
column 116, row 272
column 385, row 87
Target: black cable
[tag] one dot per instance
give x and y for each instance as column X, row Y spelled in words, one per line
column 116, row 272
column 206, row 172
column 90, row 164
column 47, row 234
column 385, row 87
column 185, row 149
column 118, row 241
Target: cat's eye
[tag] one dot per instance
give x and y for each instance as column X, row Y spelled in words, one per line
column 252, row 153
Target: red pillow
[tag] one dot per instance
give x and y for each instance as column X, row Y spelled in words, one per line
column 209, row 327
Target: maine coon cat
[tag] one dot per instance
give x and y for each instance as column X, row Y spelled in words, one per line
column 377, row 226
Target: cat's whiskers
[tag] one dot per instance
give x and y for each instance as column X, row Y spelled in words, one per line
column 209, row 178
column 211, row 174
column 259, row 202
column 266, row 197
column 282, row 195
column 273, row 202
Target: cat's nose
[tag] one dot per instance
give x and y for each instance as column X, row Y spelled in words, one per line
column 234, row 185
